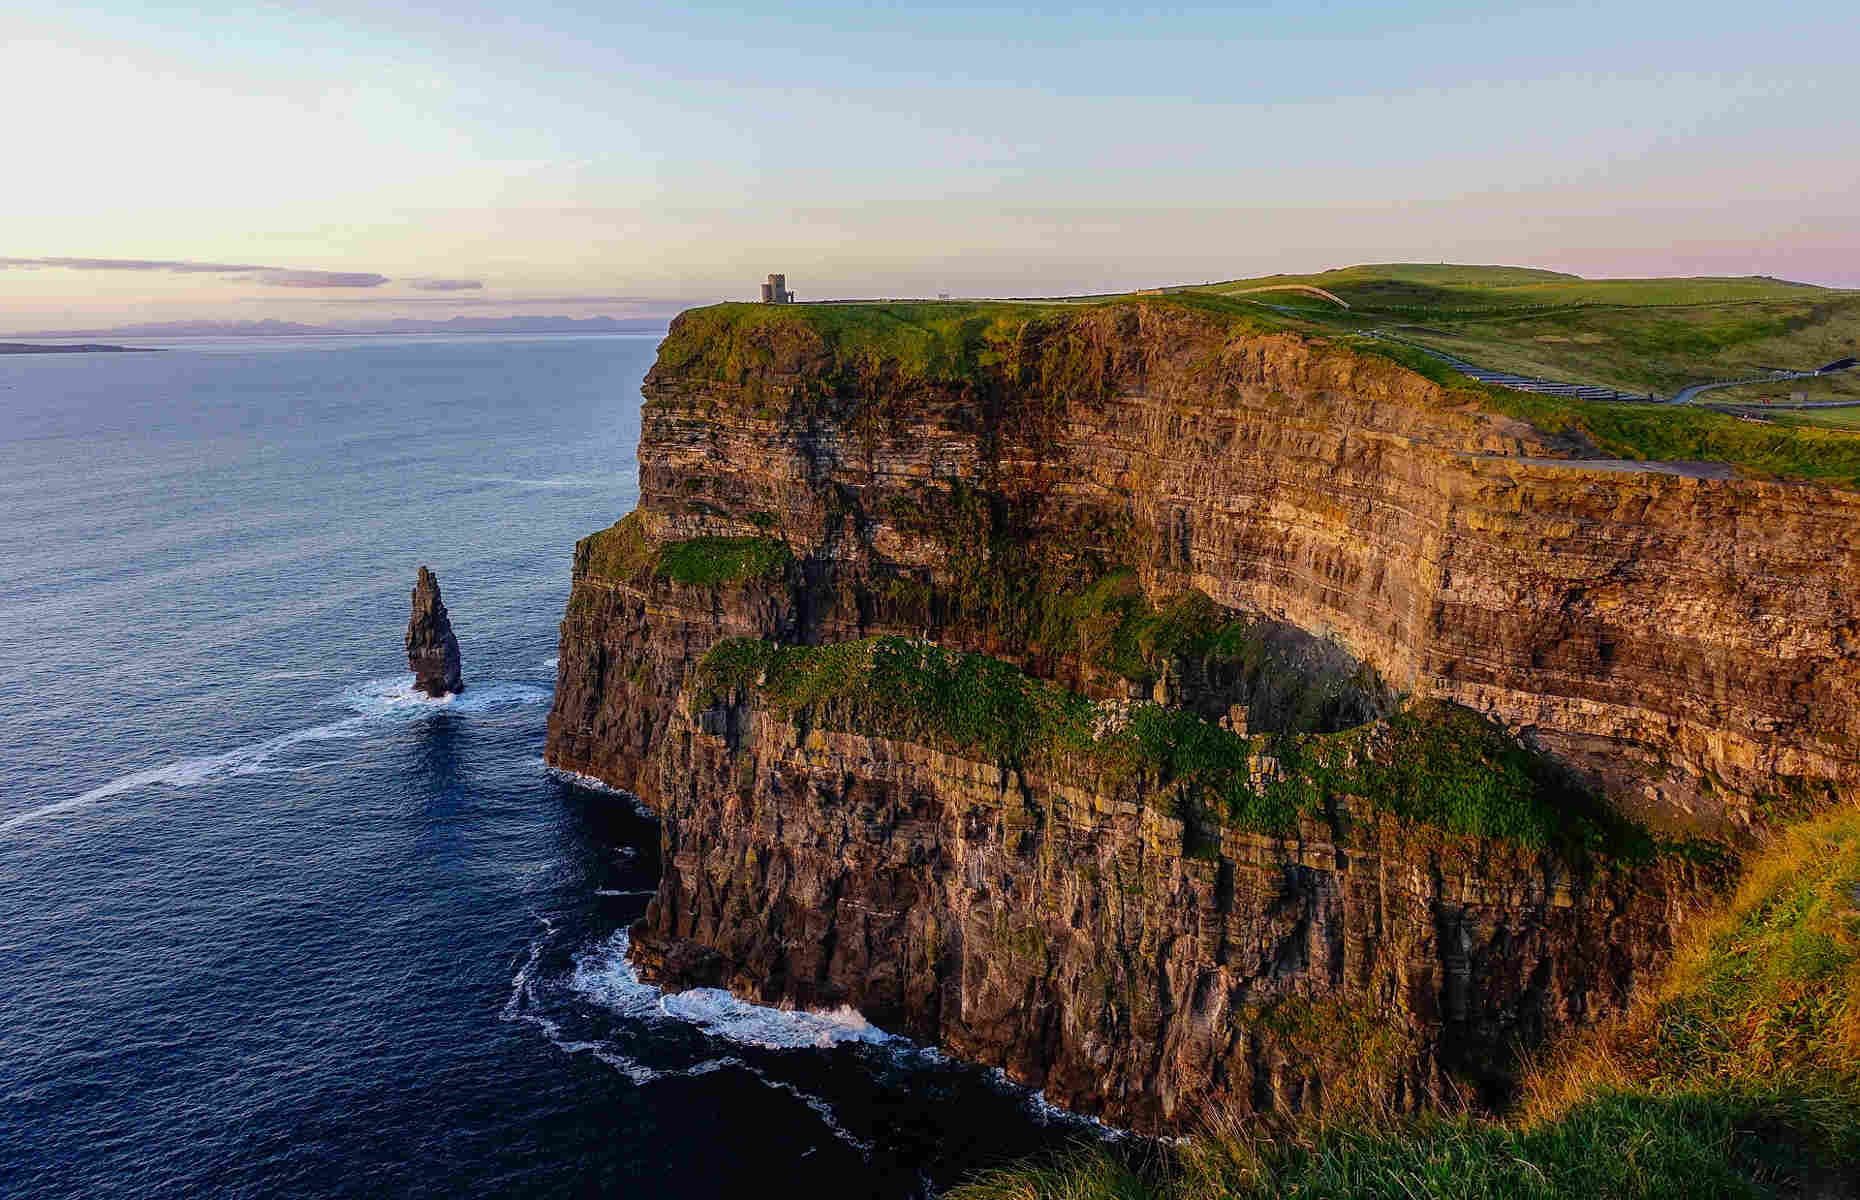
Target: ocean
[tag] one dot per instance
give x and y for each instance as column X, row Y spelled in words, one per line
column 271, row 924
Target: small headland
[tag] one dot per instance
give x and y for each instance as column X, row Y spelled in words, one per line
column 87, row 348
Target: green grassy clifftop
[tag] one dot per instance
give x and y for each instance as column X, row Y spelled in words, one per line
column 1633, row 334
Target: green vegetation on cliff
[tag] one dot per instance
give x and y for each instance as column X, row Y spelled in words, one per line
column 1637, row 335
column 713, row 560
column 622, row 551
column 1433, row 765
column 1662, row 432
column 1740, row 1077
column 902, row 342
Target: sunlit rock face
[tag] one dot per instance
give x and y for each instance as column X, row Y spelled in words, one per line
column 1685, row 645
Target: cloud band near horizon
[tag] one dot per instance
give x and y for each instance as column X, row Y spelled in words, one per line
column 285, row 277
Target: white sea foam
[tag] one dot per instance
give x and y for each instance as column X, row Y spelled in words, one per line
column 721, row 1014
column 820, row 1108
column 377, row 698
column 1047, row 1113
column 628, row 996
column 395, row 696
column 191, row 772
column 625, row 891
column 577, row 779
column 606, row 976
column 552, row 663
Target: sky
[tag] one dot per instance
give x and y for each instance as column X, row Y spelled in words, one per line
column 322, row 162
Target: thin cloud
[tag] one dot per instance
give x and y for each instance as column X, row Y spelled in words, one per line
column 446, row 285
column 277, row 277
column 133, row 264
column 289, row 277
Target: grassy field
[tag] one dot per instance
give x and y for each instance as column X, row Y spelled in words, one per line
column 1834, row 418
column 1448, row 287
column 1842, row 386
column 1636, row 335
column 1632, row 334
column 1738, row 1077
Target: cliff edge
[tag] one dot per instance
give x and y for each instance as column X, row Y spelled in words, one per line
column 1242, row 581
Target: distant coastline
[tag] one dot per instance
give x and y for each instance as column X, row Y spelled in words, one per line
column 87, row 348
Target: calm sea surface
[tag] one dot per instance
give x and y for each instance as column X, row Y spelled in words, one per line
column 270, row 925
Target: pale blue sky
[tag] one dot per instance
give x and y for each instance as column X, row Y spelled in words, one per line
column 578, row 157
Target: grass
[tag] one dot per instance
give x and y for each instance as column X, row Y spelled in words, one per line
column 709, row 561
column 1448, row 288
column 1434, row 765
column 622, row 552
column 1740, row 1077
column 904, row 342
column 1843, row 385
column 1827, row 418
column 1663, row 433
column 1025, row 361
column 1654, row 348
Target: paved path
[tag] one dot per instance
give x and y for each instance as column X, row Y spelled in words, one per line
column 1688, row 395
column 1549, row 387
column 1517, row 383
column 1691, row 470
column 1306, row 288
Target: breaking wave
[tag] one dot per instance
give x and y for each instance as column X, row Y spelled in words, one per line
column 603, row 976
column 397, row 697
column 375, row 699
column 577, row 779
column 191, row 772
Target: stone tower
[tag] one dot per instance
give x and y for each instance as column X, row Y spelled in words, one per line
column 775, row 291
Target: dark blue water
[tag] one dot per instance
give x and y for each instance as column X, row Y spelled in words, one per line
column 271, row 925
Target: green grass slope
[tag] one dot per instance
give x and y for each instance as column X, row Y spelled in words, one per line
column 1636, row 335
column 1632, row 334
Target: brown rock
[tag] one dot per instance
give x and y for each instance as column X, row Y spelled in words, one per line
column 1690, row 645
column 432, row 650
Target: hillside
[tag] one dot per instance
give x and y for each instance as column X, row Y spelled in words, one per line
column 1640, row 335
column 929, row 343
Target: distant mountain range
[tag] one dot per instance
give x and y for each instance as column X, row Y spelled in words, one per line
column 269, row 328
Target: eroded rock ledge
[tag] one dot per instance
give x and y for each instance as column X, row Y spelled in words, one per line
column 1054, row 490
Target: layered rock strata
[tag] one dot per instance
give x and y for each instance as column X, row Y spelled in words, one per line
column 1687, row 645
column 1040, row 921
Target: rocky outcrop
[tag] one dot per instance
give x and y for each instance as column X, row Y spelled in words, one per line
column 1040, row 921
column 432, row 650
column 1688, row 646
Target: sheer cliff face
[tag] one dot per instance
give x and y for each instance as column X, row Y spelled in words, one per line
column 1031, row 921
column 1688, row 644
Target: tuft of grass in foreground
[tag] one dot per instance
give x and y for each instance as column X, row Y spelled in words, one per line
column 1739, row 1078
column 1433, row 765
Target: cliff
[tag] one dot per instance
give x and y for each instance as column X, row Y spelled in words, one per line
column 1277, row 542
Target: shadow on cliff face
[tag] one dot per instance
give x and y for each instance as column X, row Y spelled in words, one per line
column 1286, row 681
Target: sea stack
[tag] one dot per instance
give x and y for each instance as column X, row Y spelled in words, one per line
column 432, row 651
